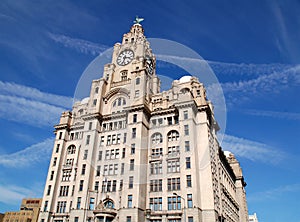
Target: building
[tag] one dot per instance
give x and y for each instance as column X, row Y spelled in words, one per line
column 29, row 211
column 1, row 217
column 131, row 153
column 253, row 218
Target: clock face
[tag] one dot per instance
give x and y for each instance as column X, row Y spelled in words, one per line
column 125, row 57
column 149, row 65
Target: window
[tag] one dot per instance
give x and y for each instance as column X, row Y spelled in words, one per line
column 133, row 148
column 92, row 203
column 128, row 219
column 49, row 190
column 81, row 185
column 173, row 166
column 137, row 93
column 131, row 166
column 137, row 81
column 76, row 219
column 71, row 149
column 123, row 152
column 173, row 135
column 101, row 140
column 60, row 135
column 78, row 202
column 116, row 166
column 129, row 202
column 155, row 203
column 73, row 189
column 51, row 175
column 187, row 145
column 100, row 155
column 61, row 207
column 130, row 184
column 64, row 191
column 174, row 203
column 156, row 185
column 87, row 139
column 133, row 132
column 90, row 125
column 134, row 118
column 94, row 102
column 156, row 167
column 45, row 205
column 98, row 171
column 156, row 138
column 96, row 89
column 66, row 175
column 124, row 75
column 173, row 150
column 188, row 162
column 124, row 138
column 85, row 154
column 188, row 180
column 185, row 114
column 54, row 161
column 121, row 184
column 190, row 219
column 156, row 152
column 57, row 148
column 189, row 201
column 96, row 185
column 174, row 183
column 186, row 130
column 83, row 169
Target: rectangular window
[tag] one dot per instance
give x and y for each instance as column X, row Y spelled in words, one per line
column 188, row 162
column 85, row 154
column 130, row 184
column 155, row 203
column 185, row 114
column 107, row 154
column 156, row 152
column 187, row 146
column 129, row 201
column 117, row 153
column 131, row 166
column 101, row 140
column 54, row 161
column 57, row 148
column 186, row 130
column 118, row 138
column 49, row 190
column 123, row 152
column 96, row 185
column 174, row 203
column 133, row 133
column 94, row 102
column 134, row 118
column 61, row 207
column 189, row 201
column 173, row 150
column 173, row 166
column 51, row 175
column 108, row 141
column 100, row 155
column 81, row 185
column 174, row 183
column 133, row 148
column 87, row 139
column 122, row 168
column 92, row 203
column 188, row 180
column 156, row 167
column 66, row 175
column 98, row 171
column 128, row 219
column 124, row 138
column 114, row 186
column 121, row 184
column 156, row 185
column 76, row 219
column 137, row 93
column 64, row 191
column 116, row 169
column 90, row 125
column 60, row 135
column 190, row 219
column 78, row 202
column 46, row 206
column 105, row 170
column 83, row 169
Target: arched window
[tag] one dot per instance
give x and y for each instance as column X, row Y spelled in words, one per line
column 119, row 102
column 184, row 90
column 71, row 149
column 173, row 135
column 156, row 138
column 109, row 204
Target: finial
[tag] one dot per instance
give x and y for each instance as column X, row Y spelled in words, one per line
column 138, row 20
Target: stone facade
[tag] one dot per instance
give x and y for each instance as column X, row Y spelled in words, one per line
column 131, row 153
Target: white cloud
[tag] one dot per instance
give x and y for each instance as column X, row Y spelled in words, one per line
column 274, row 193
column 252, row 150
column 80, row 45
column 273, row 114
column 28, row 156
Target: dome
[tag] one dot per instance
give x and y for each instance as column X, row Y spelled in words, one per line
column 185, row 79
column 85, row 100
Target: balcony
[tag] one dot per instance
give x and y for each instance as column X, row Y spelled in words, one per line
column 121, row 83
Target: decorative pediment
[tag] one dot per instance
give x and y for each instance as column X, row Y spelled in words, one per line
column 114, row 92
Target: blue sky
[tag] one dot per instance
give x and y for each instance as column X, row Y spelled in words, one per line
column 252, row 46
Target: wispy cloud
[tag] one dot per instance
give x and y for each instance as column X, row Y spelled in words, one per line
column 273, row 194
column 273, row 114
column 80, row 45
column 28, row 156
column 31, row 106
column 252, row 150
